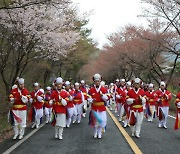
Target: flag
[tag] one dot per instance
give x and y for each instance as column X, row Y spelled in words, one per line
column 13, row 116
column 161, row 114
column 31, row 115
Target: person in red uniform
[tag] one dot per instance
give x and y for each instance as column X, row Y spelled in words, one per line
column 126, row 106
column 177, row 103
column 47, row 106
column 163, row 99
column 151, row 102
column 116, row 85
column 19, row 98
column 37, row 100
column 84, row 90
column 98, row 98
column 136, row 100
column 59, row 98
column 70, row 106
column 121, row 97
column 78, row 99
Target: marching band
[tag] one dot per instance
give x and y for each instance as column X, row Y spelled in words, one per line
column 65, row 103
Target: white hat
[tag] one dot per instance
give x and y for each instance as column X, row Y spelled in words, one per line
column 111, row 84
column 82, row 82
column 123, row 80
column 21, row 81
column 48, row 88
column 76, row 84
column 137, row 80
column 67, row 83
column 59, row 80
column 117, row 80
column 41, row 90
column 97, row 77
column 102, row 83
column 162, row 83
column 128, row 83
column 151, row 85
column 36, row 84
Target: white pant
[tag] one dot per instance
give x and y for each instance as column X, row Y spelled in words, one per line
column 152, row 114
column 38, row 115
column 139, row 119
column 122, row 110
column 119, row 108
column 165, row 111
column 60, row 119
column 21, row 114
column 48, row 113
column 78, row 108
column 112, row 104
column 71, row 112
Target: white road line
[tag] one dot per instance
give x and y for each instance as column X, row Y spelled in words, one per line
column 23, row 140
column 171, row 116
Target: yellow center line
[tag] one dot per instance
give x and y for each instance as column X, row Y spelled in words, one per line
column 130, row 141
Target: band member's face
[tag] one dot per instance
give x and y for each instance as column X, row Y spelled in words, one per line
column 97, row 82
column 76, row 87
column 67, row 87
column 36, row 88
column 162, row 87
column 136, row 85
column 123, row 84
column 59, row 85
column 21, row 86
column 48, row 91
column 151, row 88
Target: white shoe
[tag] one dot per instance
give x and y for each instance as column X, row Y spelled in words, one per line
column 15, row 137
column 73, row 122
column 79, row 122
column 95, row 135
column 125, row 125
column 149, row 120
column 84, row 115
column 132, row 135
column 60, row 137
column 165, row 126
column 37, row 126
column 159, row 125
column 56, row 136
column 33, row 125
column 99, row 136
column 118, row 115
column 20, row 137
column 67, row 126
column 137, row 136
column 47, row 122
column 120, row 119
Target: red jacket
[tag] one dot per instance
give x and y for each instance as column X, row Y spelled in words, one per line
column 18, row 104
column 84, row 91
column 98, row 104
column 78, row 97
column 137, row 105
column 163, row 98
column 151, row 97
column 58, row 107
column 70, row 102
column 36, row 103
column 122, row 93
column 47, row 99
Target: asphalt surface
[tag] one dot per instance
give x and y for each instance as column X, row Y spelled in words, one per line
column 78, row 139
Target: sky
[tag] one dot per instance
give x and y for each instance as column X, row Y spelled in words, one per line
column 109, row 15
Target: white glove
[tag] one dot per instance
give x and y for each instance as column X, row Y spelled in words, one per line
column 39, row 98
column 30, row 100
column 24, row 99
column 51, row 102
column 130, row 101
column 118, row 96
column 178, row 105
column 104, row 97
column 90, row 100
column 63, row 101
column 12, row 100
column 143, row 100
column 70, row 98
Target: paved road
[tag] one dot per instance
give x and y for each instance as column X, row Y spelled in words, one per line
column 77, row 139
